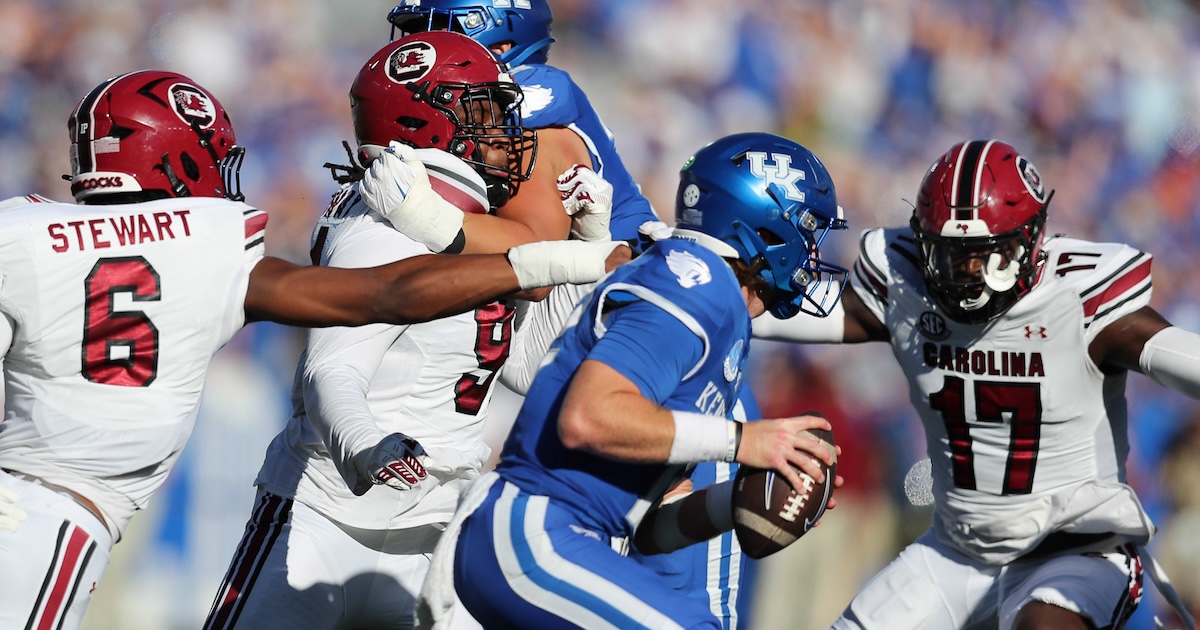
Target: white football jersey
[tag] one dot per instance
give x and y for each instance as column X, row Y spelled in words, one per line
column 115, row 312
column 1026, row 434
column 431, row 381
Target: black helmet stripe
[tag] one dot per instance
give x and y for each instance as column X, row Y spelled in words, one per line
column 85, row 114
column 970, row 161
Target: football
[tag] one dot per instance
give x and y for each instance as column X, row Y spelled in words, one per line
column 769, row 515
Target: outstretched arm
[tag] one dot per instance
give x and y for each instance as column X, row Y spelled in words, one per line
column 850, row 321
column 420, row 288
column 1144, row 341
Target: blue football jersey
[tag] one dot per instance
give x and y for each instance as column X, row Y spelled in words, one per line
column 712, row 571
column 691, row 286
column 552, row 99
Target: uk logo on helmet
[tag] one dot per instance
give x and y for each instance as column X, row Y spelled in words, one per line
column 192, row 105
column 411, row 62
column 780, row 172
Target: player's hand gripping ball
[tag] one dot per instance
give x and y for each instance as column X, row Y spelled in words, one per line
column 769, row 515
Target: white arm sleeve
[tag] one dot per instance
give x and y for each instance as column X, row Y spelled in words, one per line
column 804, row 328
column 6, row 333
column 339, row 364
column 1172, row 359
column 538, row 325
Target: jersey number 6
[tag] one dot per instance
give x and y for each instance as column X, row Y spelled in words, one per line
column 120, row 347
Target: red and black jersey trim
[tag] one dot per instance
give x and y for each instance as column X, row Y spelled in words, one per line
column 1127, row 283
column 72, row 553
column 906, row 247
column 256, row 227
column 867, row 275
column 1132, row 596
column 267, row 523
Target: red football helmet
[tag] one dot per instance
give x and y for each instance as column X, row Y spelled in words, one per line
column 979, row 221
column 149, row 135
column 443, row 90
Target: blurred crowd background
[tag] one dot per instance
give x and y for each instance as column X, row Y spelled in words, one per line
column 1103, row 95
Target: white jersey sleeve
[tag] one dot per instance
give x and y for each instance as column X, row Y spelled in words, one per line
column 537, row 325
column 871, row 275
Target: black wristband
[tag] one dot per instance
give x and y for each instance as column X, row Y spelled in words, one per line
column 456, row 246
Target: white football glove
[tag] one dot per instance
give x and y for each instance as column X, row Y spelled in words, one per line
column 655, row 231
column 11, row 516
column 397, row 461
column 396, row 185
column 587, row 197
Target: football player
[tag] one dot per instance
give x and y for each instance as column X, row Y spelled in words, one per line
column 639, row 386
column 388, row 420
column 112, row 308
column 1016, row 348
column 570, row 131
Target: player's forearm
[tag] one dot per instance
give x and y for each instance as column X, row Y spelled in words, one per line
column 492, row 234
column 604, row 414
column 687, row 520
column 432, row 287
column 409, row 291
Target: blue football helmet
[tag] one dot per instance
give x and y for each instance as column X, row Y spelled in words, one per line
column 768, row 202
column 525, row 23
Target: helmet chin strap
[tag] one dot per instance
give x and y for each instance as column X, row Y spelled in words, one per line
column 977, row 302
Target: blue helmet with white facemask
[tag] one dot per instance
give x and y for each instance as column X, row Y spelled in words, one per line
column 768, row 202
column 524, row 23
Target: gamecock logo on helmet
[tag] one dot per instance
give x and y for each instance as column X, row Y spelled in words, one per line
column 192, row 105
column 411, row 63
column 1032, row 178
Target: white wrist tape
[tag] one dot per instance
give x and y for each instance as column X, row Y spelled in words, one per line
column 701, row 438
column 547, row 263
column 427, row 218
column 1172, row 359
column 397, row 186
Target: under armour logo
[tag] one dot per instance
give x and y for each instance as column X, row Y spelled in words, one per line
column 780, row 173
column 1030, row 331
